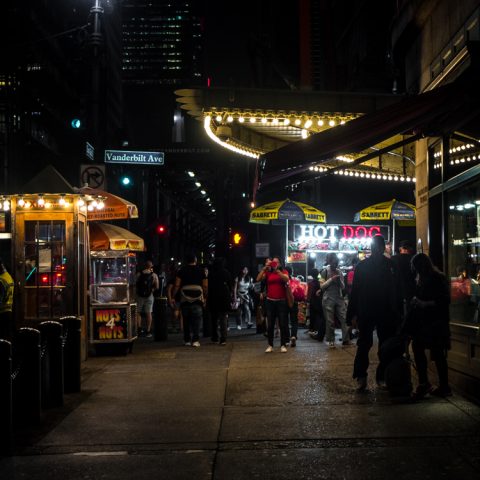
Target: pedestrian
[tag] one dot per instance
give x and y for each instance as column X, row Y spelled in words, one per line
column 298, row 296
column 405, row 276
column 372, row 306
column 174, row 303
column 317, row 320
column 242, row 293
column 146, row 283
column 429, row 325
column 191, row 281
column 7, row 286
column 388, row 249
column 332, row 286
column 219, row 298
column 276, row 303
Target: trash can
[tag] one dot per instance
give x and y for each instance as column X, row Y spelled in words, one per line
column 160, row 319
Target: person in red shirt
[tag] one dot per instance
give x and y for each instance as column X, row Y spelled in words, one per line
column 276, row 279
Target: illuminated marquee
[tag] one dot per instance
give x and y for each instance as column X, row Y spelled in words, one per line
column 335, row 237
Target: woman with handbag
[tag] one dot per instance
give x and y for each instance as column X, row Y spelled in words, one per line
column 428, row 324
column 276, row 280
column 242, row 288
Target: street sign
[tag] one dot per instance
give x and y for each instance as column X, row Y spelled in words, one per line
column 262, row 250
column 93, row 175
column 134, row 158
column 89, row 151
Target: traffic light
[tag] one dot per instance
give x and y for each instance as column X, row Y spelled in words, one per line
column 76, row 123
column 126, row 180
column 161, row 229
column 237, row 238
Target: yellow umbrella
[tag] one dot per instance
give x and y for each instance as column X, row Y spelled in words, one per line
column 286, row 210
column 393, row 210
column 105, row 236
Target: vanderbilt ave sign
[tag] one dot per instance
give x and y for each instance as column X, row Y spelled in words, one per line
column 137, row 158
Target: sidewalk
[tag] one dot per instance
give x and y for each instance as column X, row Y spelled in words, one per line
column 167, row 411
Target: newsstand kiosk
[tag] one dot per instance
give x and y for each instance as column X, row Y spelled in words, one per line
column 112, row 288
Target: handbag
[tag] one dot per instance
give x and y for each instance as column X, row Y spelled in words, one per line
column 289, row 294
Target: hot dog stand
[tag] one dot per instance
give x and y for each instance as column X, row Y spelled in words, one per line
column 112, row 285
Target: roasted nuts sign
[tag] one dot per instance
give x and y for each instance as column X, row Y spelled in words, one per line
column 110, row 324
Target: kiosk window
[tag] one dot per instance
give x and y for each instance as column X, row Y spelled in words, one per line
column 45, row 269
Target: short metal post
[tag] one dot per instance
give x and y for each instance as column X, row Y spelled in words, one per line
column 27, row 396
column 160, row 319
column 52, row 364
column 72, row 338
column 6, row 422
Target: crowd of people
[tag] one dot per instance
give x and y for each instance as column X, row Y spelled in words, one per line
column 393, row 295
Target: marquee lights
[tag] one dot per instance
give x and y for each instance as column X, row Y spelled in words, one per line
column 365, row 175
column 45, row 202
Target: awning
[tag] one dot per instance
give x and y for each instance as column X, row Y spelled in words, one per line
column 444, row 110
column 116, row 208
column 104, row 236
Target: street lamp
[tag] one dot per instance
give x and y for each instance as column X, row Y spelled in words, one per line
column 96, row 40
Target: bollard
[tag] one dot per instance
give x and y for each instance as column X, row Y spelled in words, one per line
column 52, row 364
column 160, row 319
column 72, row 338
column 27, row 396
column 6, row 423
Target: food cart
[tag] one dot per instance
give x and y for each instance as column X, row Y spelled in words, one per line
column 112, row 286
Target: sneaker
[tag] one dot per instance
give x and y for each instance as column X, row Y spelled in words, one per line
column 312, row 333
column 149, row 335
column 223, row 342
column 239, row 327
column 196, row 344
column 441, row 392
column 361, row 384
column 421, row 391
column 382, row 385
column 188, row 344
column 347, row 343
column 249, row 325
column 293, row 342
column 269, row 349
column 331, row 344
column 283, row 349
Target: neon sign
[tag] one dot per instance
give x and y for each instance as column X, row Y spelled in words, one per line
column 335, row 237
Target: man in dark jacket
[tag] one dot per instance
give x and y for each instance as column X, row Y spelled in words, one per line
column 219, row 299
column 372, row 306
column 405, row 276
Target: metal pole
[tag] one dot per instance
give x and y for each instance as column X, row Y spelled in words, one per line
column 96, row 41
column 286, row 242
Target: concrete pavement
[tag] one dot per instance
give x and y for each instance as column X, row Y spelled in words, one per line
column 233, row 412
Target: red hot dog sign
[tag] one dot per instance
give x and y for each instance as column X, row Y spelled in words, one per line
column 335, row 237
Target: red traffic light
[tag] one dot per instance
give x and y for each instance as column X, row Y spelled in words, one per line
column 161, row 229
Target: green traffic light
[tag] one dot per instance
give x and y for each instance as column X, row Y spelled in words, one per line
column 126, row 181
column 76, row 123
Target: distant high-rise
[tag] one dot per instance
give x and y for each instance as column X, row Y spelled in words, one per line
column 162, row 42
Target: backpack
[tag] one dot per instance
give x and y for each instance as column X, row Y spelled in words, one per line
column 144, row 285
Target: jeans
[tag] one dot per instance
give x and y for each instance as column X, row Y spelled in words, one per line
column 335, row 307
column 245, row 313
column 439, row 356
column 293, row 315
column 192, row 314
column 277, row 309
column 364, row 344
column 219, row 320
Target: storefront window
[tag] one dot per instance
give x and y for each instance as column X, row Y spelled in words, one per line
column 45, row 269
column 463, row 231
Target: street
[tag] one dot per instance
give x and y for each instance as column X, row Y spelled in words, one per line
column 168, row 411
